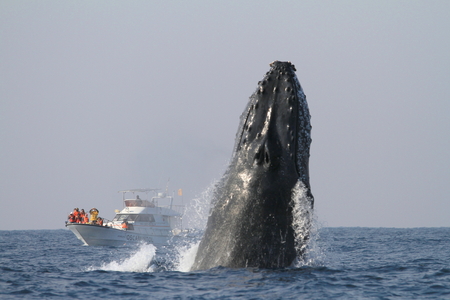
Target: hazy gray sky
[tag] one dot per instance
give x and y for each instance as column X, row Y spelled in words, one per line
column 99, row 96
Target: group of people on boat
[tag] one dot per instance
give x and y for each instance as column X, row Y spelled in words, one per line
column 82, row 217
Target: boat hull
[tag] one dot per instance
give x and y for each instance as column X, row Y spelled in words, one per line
column 93, row 235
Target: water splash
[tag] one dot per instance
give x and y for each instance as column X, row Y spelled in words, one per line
column 180, row 255
column 199, row 208
column 186, row 257
column 198, row 212
column 137, row 262
column 306, row 228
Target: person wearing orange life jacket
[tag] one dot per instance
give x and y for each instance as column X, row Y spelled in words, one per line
column 82, row 216
column 76, row 212
column 71, row 218
column 100, row 221
column 125, row 225
column 85, row 219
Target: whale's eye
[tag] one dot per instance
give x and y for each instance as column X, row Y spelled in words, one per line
column 257, row 155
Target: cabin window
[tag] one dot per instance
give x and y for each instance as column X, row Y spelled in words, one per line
column 123, row 217
column 145, row 218
column 132, row 217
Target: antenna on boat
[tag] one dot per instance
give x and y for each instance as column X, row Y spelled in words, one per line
column 167, row 186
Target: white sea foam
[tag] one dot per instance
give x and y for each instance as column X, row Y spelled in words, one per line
column 137, row 262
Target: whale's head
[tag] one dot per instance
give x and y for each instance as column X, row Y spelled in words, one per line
column 251, row 219
column 274, row 131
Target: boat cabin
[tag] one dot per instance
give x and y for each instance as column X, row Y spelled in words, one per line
column 138, row 202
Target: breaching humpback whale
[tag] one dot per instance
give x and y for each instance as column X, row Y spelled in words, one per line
column 251, row 219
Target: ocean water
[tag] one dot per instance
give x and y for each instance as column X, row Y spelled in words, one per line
column 342, row 263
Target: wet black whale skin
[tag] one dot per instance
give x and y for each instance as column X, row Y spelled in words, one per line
column 250, row 224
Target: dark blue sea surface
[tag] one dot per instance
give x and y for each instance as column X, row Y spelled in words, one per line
column 343, row 263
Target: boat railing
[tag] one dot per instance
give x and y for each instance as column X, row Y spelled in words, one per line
column 106, row 221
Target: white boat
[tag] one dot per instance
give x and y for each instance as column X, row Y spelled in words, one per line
column 152, row 221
